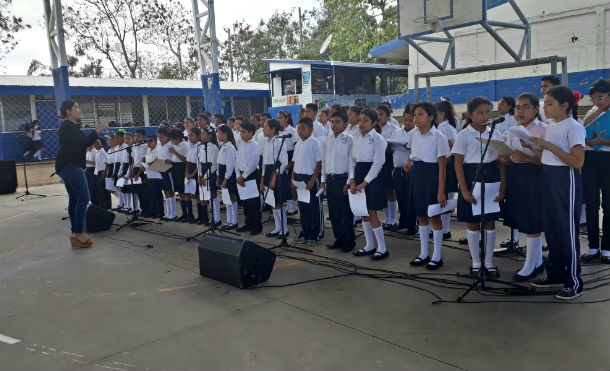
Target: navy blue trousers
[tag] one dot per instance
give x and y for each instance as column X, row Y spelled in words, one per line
column 78, row 195
column 339, row 211
column 309, row 212
column 561, row 207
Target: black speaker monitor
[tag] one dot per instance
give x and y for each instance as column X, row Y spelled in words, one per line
column 98, row 219
column 234, row 261
column 8, row 177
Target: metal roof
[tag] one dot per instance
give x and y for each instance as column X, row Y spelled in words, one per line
column 340, row 64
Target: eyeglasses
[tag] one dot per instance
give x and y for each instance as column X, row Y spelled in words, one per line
column 525, row 107
column 598, row 99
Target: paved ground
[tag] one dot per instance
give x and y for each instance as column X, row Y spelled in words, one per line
column 124, row 306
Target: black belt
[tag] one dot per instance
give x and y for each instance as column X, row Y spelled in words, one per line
column 336, row 176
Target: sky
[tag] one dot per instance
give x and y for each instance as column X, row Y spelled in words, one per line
column 33, row 44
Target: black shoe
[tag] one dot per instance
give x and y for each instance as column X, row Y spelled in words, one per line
column 539, row 269
column 418, row 262
column 519, row 278
column 243, row 228
column 591, row 258
column 493, row 272
column 411, row 232
column 271, row 234
column 203, row 222
column 359, row 221
column 463, row 241
column 432, row 265
column 605, row 259
column 447, row 236
column 279, row 235
column 508, row 243
column 255, row 231
column 290, row 213
column 380, row 256
column 334, row 245
column 390, row 227
column 546, row 283
column 192, row 221
column 474, row 272
column 363, row 252
column 347, row 248
column 568, row 294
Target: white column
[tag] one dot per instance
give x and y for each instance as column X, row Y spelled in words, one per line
column 33, row 107
column 145, row 109
column 2, row 116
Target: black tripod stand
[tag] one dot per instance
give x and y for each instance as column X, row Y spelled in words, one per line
column 27, row 195
column 480, row 178
column 213, row 227
column 135, row 217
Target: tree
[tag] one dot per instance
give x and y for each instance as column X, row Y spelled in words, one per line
column 113, row 28
column 93, row 68
column 9, row 26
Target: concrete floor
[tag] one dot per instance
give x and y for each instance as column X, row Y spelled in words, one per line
column 123, row 306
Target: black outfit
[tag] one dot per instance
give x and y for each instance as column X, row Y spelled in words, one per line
column 339, row 211
column 522, row 206
column 252, row 206
column 309, row 212
column 596, row 178
column 402, row 181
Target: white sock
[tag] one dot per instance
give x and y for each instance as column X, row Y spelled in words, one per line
column 539, row 251
column 515, row 236
column 380, row 239
column 605, row 253
column 121, row 199
column 216, row 208
column 530, row 257
column 285, row 221
column 37, row 154
column 490, row 243
column 172, row 203
column 392, row 209
column 386, row 215
column 26, row 153
column 446, row 220
column 292, row 205
column 473, row 245
column 357, row 218
column 127, row 201
column 424, row 237
column 136, row 203
column 437, row 237
column 592, row 251
column 235, row 210
column 229, row 213
column 278, row 222
column 168, row 208
column 368, row 236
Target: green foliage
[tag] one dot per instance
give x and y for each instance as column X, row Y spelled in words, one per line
column 9, row 26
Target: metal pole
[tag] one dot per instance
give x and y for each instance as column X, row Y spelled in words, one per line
column 300, row 29
column 230, row 53
column 564, row 71
column 554, row 67
column 416, row 88
column 428, row 89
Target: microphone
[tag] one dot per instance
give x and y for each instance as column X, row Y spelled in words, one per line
column 285, row 136
column 498, row 120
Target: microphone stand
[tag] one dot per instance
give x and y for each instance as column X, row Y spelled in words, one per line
column 135, row 217
column 213, row 228
column 276, row 165
column 482, row 276
column 28, row 195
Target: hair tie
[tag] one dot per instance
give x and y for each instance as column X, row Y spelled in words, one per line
column 577, row 96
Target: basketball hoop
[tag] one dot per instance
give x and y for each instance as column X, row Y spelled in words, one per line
column 436, row 24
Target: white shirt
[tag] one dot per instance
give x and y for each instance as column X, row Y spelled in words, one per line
column 466, row 145
column 430, row 146
column 337, row 152
column 509, row 121
column 307, row 154
column 271, row 148
column 290, row 142
column 354, row 131
column 139, row 151
column 368, row 148
column 111, row 155
column 36, row 134
column 449, row 131
column 162, row 150
column 318, row 132
column 536, row 129
column 101, row 158
column 248, row 154
column 393, row 121
column 238, row 140
column 208, row 154
column 151, row 155
column 565, row 134
column 259, row 136
column 122, row 156
column 326, row 127
column 182, row 148
column 227, row 155
column 90, row 156
column 388, row 129
column 400, row 154
column 193, row 151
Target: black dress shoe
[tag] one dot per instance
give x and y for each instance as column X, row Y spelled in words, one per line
column 334, row 245
column 271, row 234
column 203, row 222
column 380, row 256
column 493, row 272
column 347, row 248
column 591, row 258
column 363, row 252
column 432, row 265
column 463, row 241
column 279, row 235
column 539, row 269
column 447, row 236
column 256, row 231
column 244, row 228
column 519, row 278
column 418, row 262
column 605, row 259
column 411, row 231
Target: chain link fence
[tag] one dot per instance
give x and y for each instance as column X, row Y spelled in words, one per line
column 245, row 107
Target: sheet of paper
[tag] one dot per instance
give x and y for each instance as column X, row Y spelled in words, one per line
column 357, row 202
column 522, row 133
column 302, row 191
column 497, row 145
column 120, row 182
column 491, row 191
column 226, row 197
column 250, row 190
column 270, row 199
column 436, row 209
column 190, row 186
column 110, row 185
column 160, row 166
column 135, row 181
column 204, row 193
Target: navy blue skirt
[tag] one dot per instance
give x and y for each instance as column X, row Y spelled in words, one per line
column 451, row 181
column 375, row 191
column 386, row 172
column 491, row 174
column 178, row 171
column 231, row 181
column 167, row 181
column 522, row 207
column 277, row 192
column 424, row 186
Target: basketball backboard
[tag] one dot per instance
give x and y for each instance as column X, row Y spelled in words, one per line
column 422, row 17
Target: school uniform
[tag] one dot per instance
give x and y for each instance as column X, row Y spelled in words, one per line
column 543, row 117
column 335, row 172
column 238, row 140
column 227, row 156
column 179, row 166
column 596, row 179
column 402, row 180
column 246, row 167
column 451, row 182
column 289, row 143
column 103, row 196
column 154, row 181
column 162, row 153
column 368, row 157
column 109, row 180
column 318, row 132
column 307, row 154
column 354, row 130
column 509, row 122
column 270, row 150
column 208, row 166
column 562, row 203
column 138, row 153
column 90, row 175
column 386, row 171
